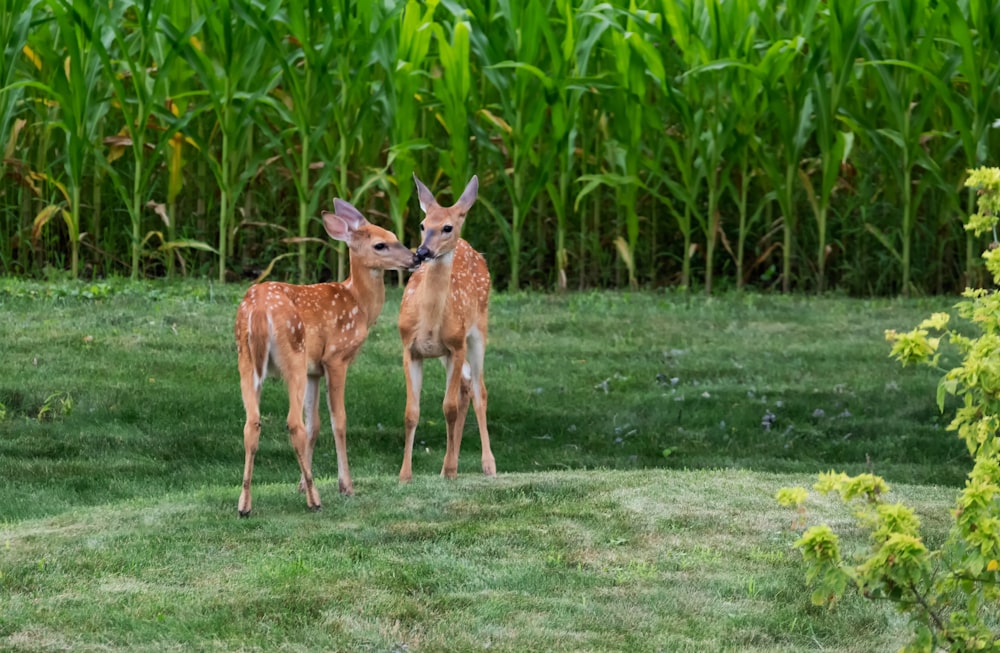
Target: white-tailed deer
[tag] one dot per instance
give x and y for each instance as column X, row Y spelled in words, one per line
column 444, row 315
column 306, row 332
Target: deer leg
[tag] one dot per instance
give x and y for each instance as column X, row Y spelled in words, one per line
column 312, row 424
column 250, row 389
column 476, row 351
column 298, row 436
column 454, row 411
column 336, row 376
column 413, row 369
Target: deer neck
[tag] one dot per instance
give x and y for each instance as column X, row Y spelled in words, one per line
column 368, row 287
column 436, row 287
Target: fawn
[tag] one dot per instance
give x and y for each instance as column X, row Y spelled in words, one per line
column 304, row 333
column 444, row 315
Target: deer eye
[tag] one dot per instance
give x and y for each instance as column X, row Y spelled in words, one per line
column 446, row 229
column 379, row 246
column 421, row 226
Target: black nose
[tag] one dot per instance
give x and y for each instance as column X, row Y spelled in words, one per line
column 423, row 253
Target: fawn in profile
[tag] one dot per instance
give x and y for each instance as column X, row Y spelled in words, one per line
column 444, row 315
column 304, row 333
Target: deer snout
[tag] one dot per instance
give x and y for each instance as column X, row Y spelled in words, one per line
column 423, row 254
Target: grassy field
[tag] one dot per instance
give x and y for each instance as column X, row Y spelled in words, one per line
column 639, row 438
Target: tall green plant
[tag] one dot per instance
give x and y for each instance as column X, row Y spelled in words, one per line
column 634, row 56
column 674, row 159
column 136, row 61
column 405, row 68
column 300, row 39
column 453, row 89
column 786, row 68
column 907, row 68
column 359, row 135
column 719, row 33
column 746, row 86
column 836, row 52
column 231, row 63
column 79, row 106
column 15, row 25
column 524, row 90
column 570, row 81
column 974, row 27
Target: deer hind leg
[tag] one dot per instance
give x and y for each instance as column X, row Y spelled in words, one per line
column 413, row 369
column 456, row 405
column 476, row 351
column 336, row 377
column 312, row 424
column 250, row 387
column 298, row 436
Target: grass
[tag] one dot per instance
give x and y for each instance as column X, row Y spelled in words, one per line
column 633, row 510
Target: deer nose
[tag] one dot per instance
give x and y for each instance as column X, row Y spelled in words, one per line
column 423, row 253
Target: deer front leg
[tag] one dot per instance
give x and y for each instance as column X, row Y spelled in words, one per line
column 456, row 404
column 298, row 437
column 312, row 424
column 413, row 369
column 336, row 376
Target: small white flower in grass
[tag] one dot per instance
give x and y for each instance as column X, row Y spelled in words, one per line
column 819, row 412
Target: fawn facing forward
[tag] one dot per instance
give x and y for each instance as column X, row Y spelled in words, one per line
column 306, row 332
column 444, row 315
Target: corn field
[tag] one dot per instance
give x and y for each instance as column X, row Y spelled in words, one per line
column 798, row 145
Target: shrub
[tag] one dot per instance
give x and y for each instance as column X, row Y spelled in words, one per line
column 952, row 592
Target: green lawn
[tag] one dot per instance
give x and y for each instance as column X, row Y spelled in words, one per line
column 633, row 510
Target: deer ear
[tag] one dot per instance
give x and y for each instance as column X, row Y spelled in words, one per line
column 469, row 195
column 337, row 227
column 425, row 196
column 346, row 212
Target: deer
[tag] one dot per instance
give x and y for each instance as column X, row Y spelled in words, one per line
column 444, row 314
column 306, row 332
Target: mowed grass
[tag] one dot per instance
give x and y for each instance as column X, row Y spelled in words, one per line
column 640, row 438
